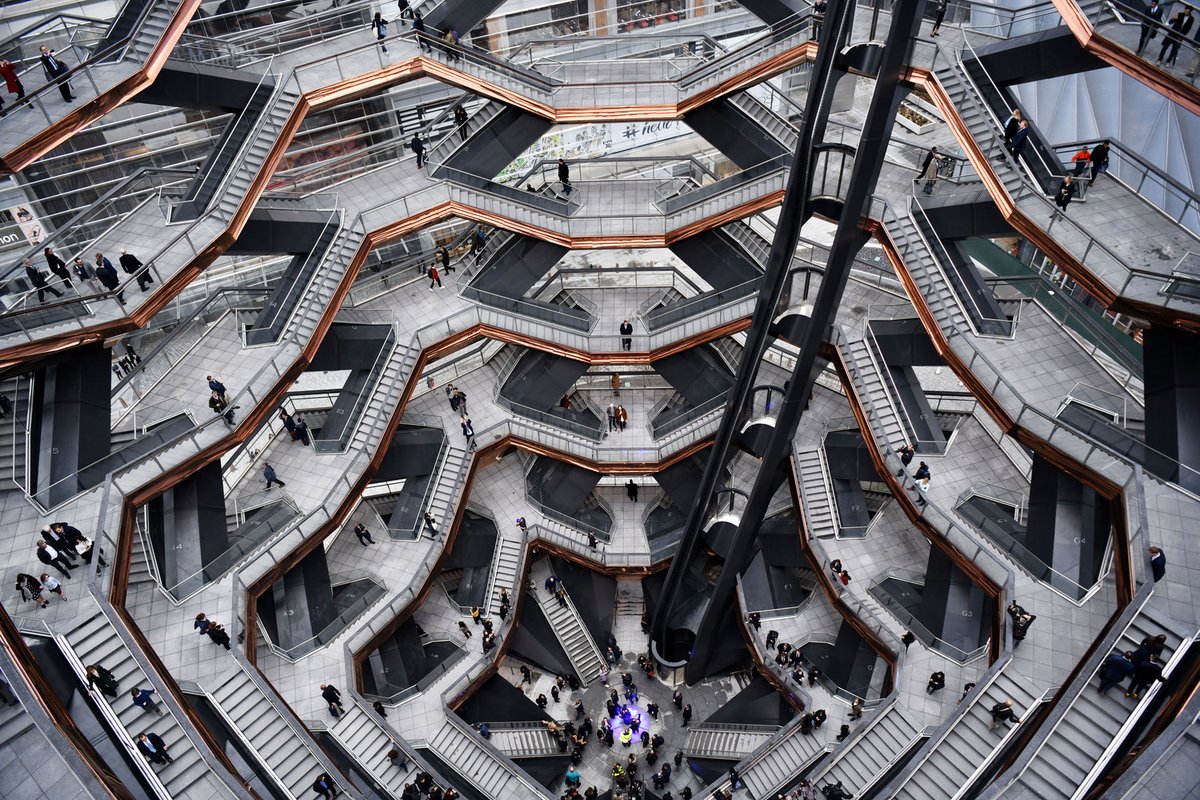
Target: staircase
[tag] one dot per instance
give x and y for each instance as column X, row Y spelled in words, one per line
column 585, row 657
column 12, row 433
column 776, row 126
column 15, row 725
column 733, row 742
column 453, row 138
column 936, row 290
column 95, row 641
column 787, row 756
column 871, row 755
column 968, row 747
column 248, row 161
column 816, row 494
column 279, row 747
column 151, row 30
column 445, row 492
column 1060, row 767
column 505, row 569
column 873, row 391
column 523, row 740
column 369, row 743
column 478, row 764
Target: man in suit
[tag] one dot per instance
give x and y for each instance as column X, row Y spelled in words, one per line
column 133, row 266
column 56, row 71
column 1158, row 563
column 1115, row 669
column 1019, row 141
column 154, row 748
column 38, row 279
column 1180, row 24
column 107, row 275
column 1151, row 19
column 57, row 266
column 52, row 558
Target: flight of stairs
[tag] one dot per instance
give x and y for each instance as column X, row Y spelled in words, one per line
column 248, row 161
column 505, row 569
column 12, row 432
column 725, row 741
column 1078, row 741
column 531, row 741
column 360, row 734
column 789, row 755
column 478, row 115
column 859, row 766
column 445, row 492
column 151, row 30
column 94, row 641
column 478, row 765
column 873, row 391
column 968, row 746
column 585, row 657
column 815, row 493
column 284, row 754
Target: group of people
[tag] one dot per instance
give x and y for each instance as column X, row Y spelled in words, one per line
column 1174, row 32
column 218, row 400
column 54, row 68
column 296, row 427
column 99, row 277
column 1142, row 667
column 59, row 545
column 618, row 417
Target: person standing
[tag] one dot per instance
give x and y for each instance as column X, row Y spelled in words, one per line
column 564, row 175
column 58, row 266
column 687, row 714
column 460, row 119
column 1151, row 19
column 1066, row 193
column 612, row 417
column 108, row 278
column 631, row 490
column 101, row 679
column 818, row 17
column 31, row 589
column 429, row 524
column 622, row 417
column 142, row 699
column 217, row 388
column 906, row 454
column 154, row 748
column 626, row 335
column 52, row 585
column 324, row 786
column 52, row 558
column 379, row 25
column 130, row 263
column 929, row 176
column 38, row 280
column 937, row 682
column 1158, row 563
column 1019, row 141
column 939, row 15
column 1012, row 125
column 418, row 148
column 363, row 534
column 922, row 490
column 56, row 72
column 1099, row 160
column 270, row 477
column 217, row 633
column 1179, row 26
column 444, row 258
column 1080, row 160
column 434, row 278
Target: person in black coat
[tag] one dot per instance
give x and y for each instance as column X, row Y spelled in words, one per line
column 154, row 748
column 1151, row 19
column 57, row 266
column 52, row 558
column 1099, row 159
column 130, row 263
column 38, row 280
column 1066, row 193
column 564, row 175
column 1144, row 673
column 1012, row 125
column 56, row 71
column 1115, row 669
column 108, row 277
column 1019, row 141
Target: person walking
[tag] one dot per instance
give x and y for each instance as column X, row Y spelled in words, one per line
column 922, row 490
column 52, row 585
column 1002, row 714
column 37, row 279
column 468, row 431
column 1012, row 125
column 444, row 258
column 1158, row 563
column 379, row 25
column 56, row 72
column 1020, row 141
column 52, row 558
column 939, row 15
column 333, row 698
column 922, row 471
column 364, row 534
column 143, row 699
column 626, row 335
column 57, row 266
column 434, row 278
column 1144, row 673
column 85, row 274
column 1065, row 194
column 418, row 26
column 270, row 477
column 1151, row 18
column 217, row 388
column 1099, row 160
column 418, row 149
column 301, row 432
column 325, row 787
column 820, row 7
column 1115, row 669
column 429, row 524
column 631, row 490
column 101, row 679
column 217, row 633
column 460, row 119
column 615, row 382
column 154, row 748
column 937, row 682
column 132, row 265
column 12, row 81
column 687, row 714
column 31, row 589
column 929, row 176
column 622, row 417
column 564, row 175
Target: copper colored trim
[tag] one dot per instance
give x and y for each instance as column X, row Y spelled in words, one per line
column 1122, row 563
column 1136, row 67
column 595, row 566
column 78, row 118
column 760, row 664
column 1093, row 285
column 622, row 357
